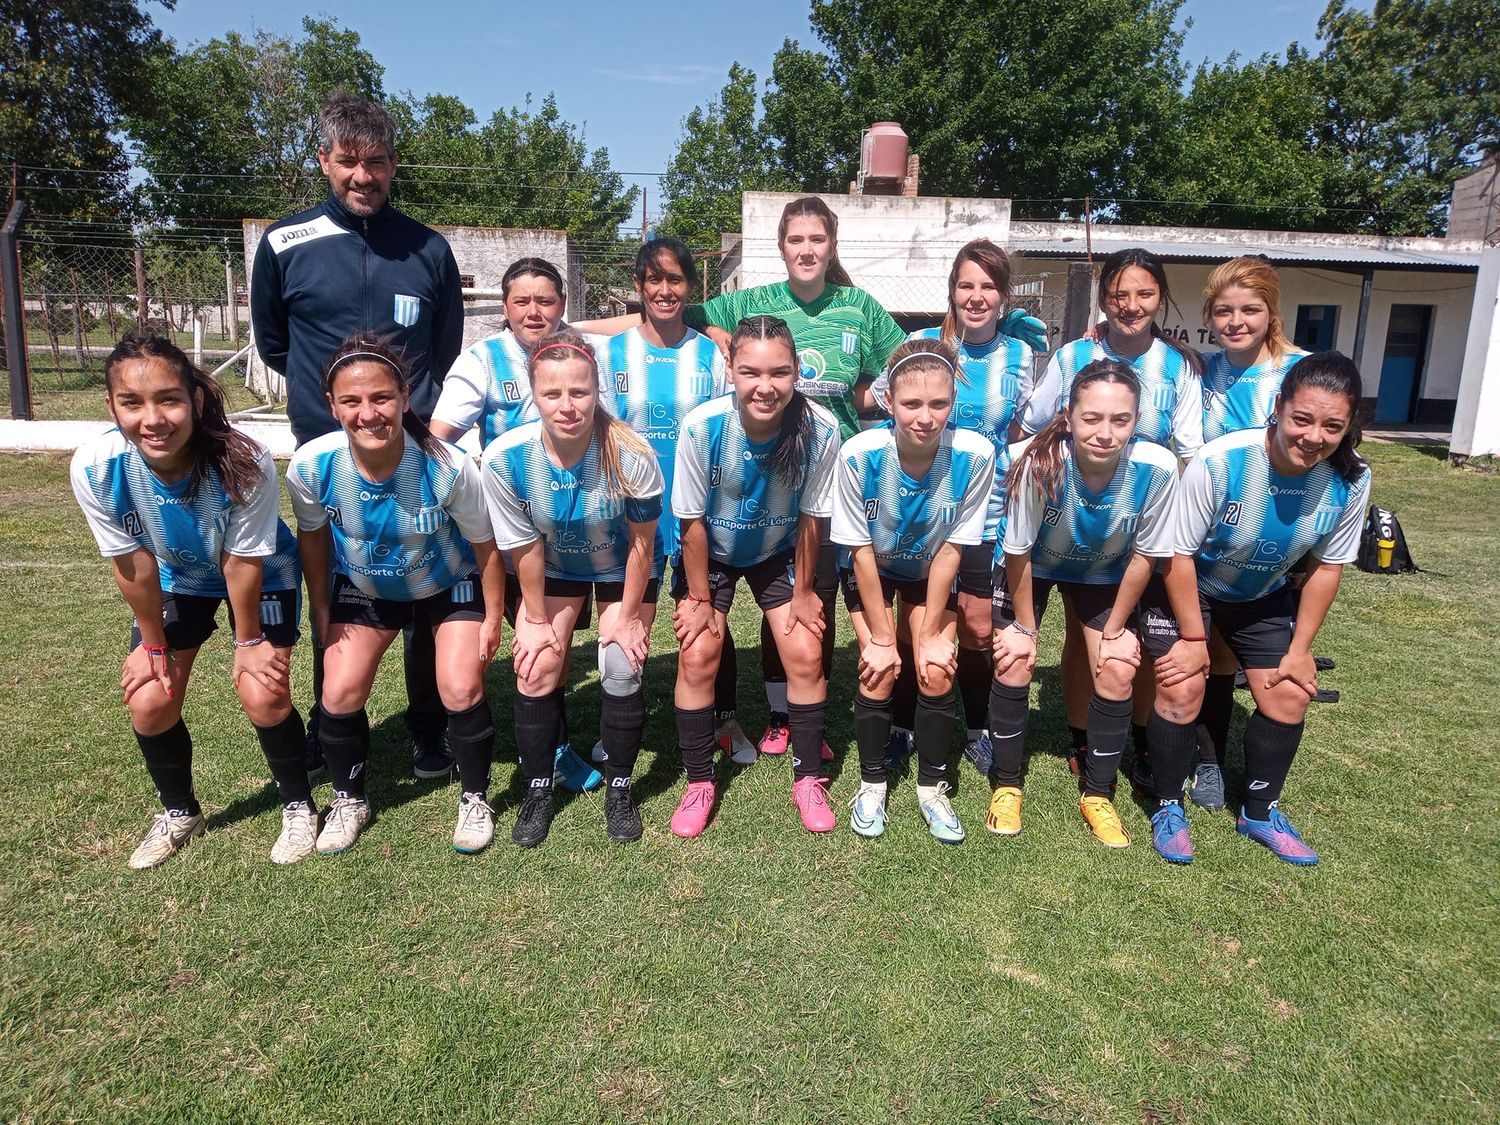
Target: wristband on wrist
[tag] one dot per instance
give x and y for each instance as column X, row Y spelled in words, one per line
column 1025, row 632
column 251, row 643
column 1116, row 637
column 1195, row 640
column 529, row 621
column 883, row 644
column 694, row 598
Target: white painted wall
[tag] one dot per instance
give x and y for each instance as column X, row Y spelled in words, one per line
column 1476, row 425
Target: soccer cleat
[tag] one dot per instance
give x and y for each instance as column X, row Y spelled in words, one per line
column 476, row 824
column 778, row 735
column 1003, row 817
column 346, row 819
column 811, row 799
column 897, row 750
column 1277, row 833
column 622, row 820
column 169, row 835
column 1104, row 822
column 534, row 820
column 1169, row 834
column 937, row 811
column 1208, row 786
column 981, row 753
column 827, row 751
column 573, row 773
column 692, row 814
column 597, row 753
column 431, row 758
column 736, row 743
column 299, row 833
column 1075, row 760
column 867, row 809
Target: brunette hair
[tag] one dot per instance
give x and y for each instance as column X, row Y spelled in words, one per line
column 215, row 443
column 1255, row 273
column 1122, row 260
column 1043, row 459
column 531, row 267
column 356, row 349
column 647, row 255
column 355, row 123
column 1337, row 374
column 810, row 206
column 788, row 461
column 995, row 262
column 613, row 435
column 921, row 355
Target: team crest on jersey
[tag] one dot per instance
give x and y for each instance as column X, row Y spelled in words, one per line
column 271, row 612
column 947, row 513
column 131, row 522
column 1163, row 398
column 407, row 310
column 428, row 520
column 622, row 382
column 1052, row 516
column 462, row 592
column 1232, row 514
column 872, row 510
column 1326, row 519
column 850, row 342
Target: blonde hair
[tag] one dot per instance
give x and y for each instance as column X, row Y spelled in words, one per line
column 1255, row 273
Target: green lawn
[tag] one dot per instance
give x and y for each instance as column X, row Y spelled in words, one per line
column 757, row 973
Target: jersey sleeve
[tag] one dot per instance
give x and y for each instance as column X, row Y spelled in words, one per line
column 448, row 319
column 719, row 371
column 881, row 337
column 1045, row 398
column 690, row 474
column 1187, row 419
column 305, row 505
column 509, row 519
column 466, row 503
column 817, row 493
column 461, row 400
column 968, row 527
column 1341, row 545
column 268, row 315
column 644, row 485
column 1155, row 534
column 1023, row 518
column 849, row 527
column 112, row 540
column 252, row 525
column 1195, row 508
column 720, row 312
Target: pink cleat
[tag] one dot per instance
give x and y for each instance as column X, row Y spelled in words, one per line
column 811, row 799
column 692, row 815
column 778, row 735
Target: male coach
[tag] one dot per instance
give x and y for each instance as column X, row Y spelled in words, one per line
column 355, row 264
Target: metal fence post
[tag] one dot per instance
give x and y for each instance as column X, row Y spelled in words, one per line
column 15, row 328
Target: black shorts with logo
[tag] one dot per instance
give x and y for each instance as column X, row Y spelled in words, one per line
column 463, row 601
column 189, row 619
column 1258, row 632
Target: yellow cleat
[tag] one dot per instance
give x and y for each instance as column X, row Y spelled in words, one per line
column 1004, row 815
column 1104, row 822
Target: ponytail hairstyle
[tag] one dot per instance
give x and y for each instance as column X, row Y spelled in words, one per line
column 647, row 256
column 995, row 262
column 811, row 207
column 1337, row 374
column 612, row 434
column 915, row 356
column 1043, row 459
column 1122, row 260
column 354, row 349
column 788, row 461
column 215, row 444
column 1255, row 273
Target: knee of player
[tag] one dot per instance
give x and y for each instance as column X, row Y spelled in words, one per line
column 1286, row 702
column 939, row 682
column 1115, row 680
column 975, row 625
column 263, row 707
column 343, row 697
column 616, row 676
column 460, row 694
column 1182, row 701
column 699, row 660
column 152, row 710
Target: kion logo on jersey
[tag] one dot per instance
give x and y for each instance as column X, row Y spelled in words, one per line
column 407, row 310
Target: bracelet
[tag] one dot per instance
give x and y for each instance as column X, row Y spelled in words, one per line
column 156, row 650
column 692, row 598
column 1195, row 640
column 1025, row 632
column 251, row 643
column 544, row 621
column 882, row 644
column 1116, row 637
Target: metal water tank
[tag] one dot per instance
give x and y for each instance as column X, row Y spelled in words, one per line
column 882, row 152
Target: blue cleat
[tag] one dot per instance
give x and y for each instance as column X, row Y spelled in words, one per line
column 1169, row 834
column 573, row 773
column 1277, row 834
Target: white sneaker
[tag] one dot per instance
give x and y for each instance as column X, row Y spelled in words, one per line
column 937, row 811
column 736, row 743
column 867, row 809
column 299, row 833
column 476, row 824
column 169, row 834
column 347, row 817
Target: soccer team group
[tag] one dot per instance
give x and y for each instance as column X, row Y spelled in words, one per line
column 1193, row 513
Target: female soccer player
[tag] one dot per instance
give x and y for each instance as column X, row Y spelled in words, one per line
column 184, row 507
column 397, row 518
column 1250, row 506
column 575, row 498
column 752, row 482
column 1089, row 508
column 910, row 497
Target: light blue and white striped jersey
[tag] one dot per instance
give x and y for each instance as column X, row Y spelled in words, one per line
column 655, row 388
column 721, row 476
column 1171, row 392
column 1241, row 398
column 488, row 386
column 906, row 520
column 129, row 509
column 585, row 530
column 401, row 539
column 1086, row 536
column 1247, row 525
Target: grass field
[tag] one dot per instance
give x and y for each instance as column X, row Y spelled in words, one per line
column 758, row 973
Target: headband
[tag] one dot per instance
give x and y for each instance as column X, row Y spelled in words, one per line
column 891, row 374
column 351, row 357
column 536, row 355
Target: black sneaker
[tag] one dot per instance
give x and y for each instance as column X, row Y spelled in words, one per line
column 430, row 757
column 622, row 820
column 535, row 819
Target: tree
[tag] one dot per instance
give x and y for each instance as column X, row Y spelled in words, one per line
column 724, row 151
column 232, row 131
column 67, row 71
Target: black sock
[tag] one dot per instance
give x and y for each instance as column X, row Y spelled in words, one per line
column 695, row 738
column 537, row 723
column 829, row 635
column 1269, row 749
column 1140, row 748
column 471, row 736
column 1010, row 711
column 933, row 736
column 975, row 674
column 561, row 737
column 1214, row 716
column 345, row 740
column 1109, row 723
column 771, row 667
column 285, row 748
column 1172, row 748
column 622, row 721
column 726, row 680
column 904, row 694
column 169, row 761
column 1079, row 738
column 805, row 721
column 872, row 730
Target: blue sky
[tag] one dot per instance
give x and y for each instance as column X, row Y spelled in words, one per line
column 629, row 72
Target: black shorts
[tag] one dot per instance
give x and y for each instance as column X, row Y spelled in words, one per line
column 188, row 619
column 605, row 592
column 1258, row 632
column 1091, row 604
column 976, row 570
column 912, row 593
column 463, row 601
column 771, row 581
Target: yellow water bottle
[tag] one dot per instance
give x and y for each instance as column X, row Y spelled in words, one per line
column 1385, row 544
